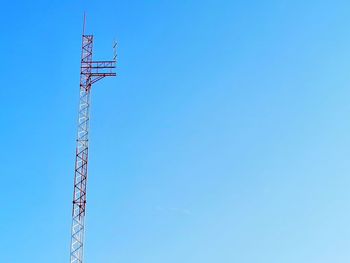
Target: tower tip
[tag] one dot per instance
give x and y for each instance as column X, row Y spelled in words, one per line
column 84, row 23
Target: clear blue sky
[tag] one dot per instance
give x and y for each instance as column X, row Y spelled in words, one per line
column 225, row 138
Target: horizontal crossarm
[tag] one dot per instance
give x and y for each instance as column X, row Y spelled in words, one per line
column 100, row 69
column 99, row 64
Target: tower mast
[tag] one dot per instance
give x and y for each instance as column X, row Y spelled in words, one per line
column 90, row 72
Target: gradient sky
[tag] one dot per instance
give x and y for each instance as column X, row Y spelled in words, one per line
column 225, row 137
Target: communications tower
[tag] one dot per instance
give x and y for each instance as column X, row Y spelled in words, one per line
column 90, row 72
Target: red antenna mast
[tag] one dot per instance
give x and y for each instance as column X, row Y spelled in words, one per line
column 91, row 72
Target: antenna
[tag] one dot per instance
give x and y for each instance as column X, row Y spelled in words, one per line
column 115, row 51
column 91, row 71
column 84, row 23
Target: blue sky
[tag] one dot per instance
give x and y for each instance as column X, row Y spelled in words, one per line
column 224, row 138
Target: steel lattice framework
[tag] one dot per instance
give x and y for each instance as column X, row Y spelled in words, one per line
column 91, row 72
